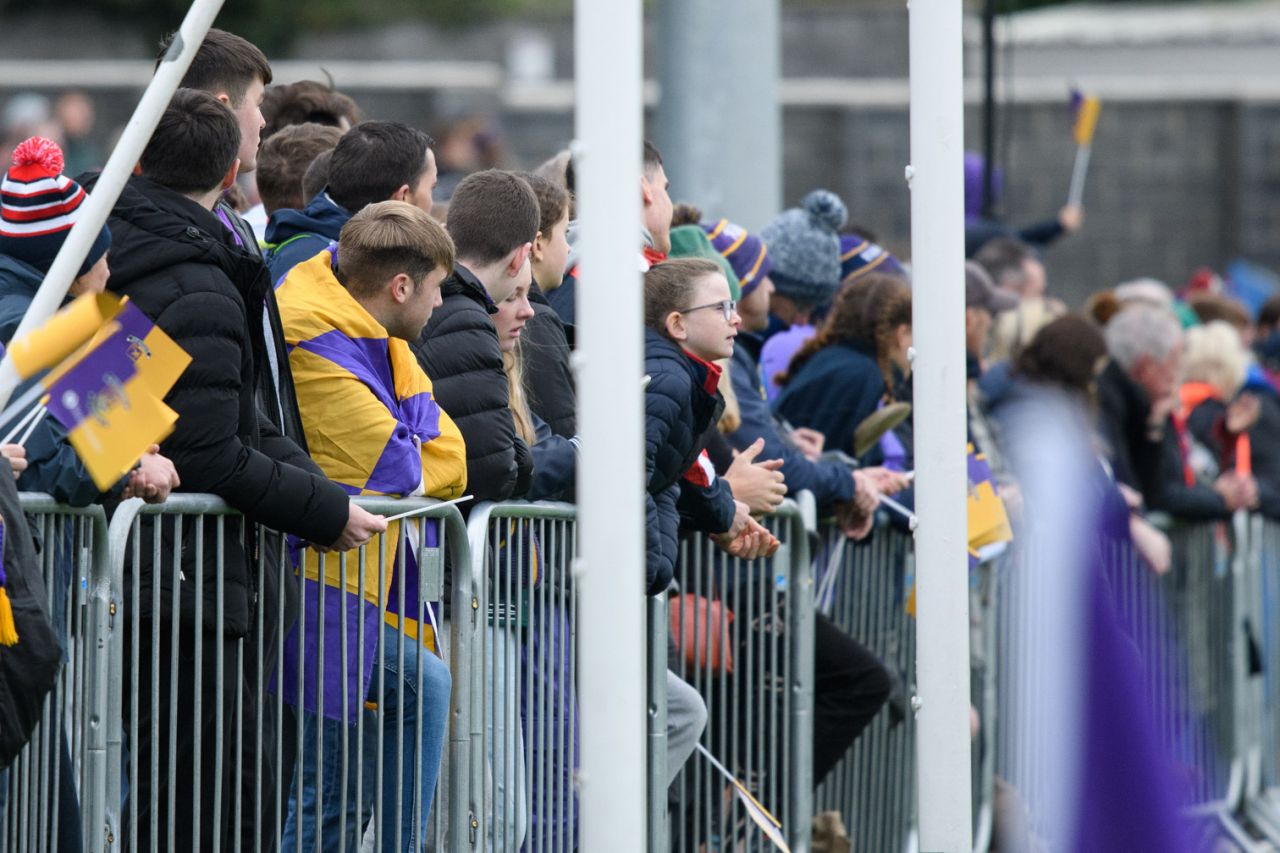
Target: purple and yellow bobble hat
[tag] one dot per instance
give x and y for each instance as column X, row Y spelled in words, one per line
column 745, row 252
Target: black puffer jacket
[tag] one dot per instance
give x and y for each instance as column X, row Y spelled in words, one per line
column 681, row 401
column 459, row 351
column 177, row 263
column 548, row 379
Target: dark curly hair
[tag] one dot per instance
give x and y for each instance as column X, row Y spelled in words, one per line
column 869, row 310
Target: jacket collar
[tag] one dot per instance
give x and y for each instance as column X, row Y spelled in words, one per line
column 161, row 228
column 536, row 296
column 464, row 282
column 705, row 374
column 322, row 216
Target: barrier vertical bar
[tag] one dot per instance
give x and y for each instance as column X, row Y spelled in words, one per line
column 800, row 615
column 942, row 653
column 610, row 474
column 104, row 715
column 659, row 839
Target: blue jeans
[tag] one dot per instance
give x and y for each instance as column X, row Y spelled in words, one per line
column 400, row 704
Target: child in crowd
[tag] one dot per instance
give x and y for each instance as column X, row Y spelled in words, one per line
column 690, row 322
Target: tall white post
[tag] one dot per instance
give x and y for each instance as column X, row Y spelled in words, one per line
column 611, row 657
column 94, row 212
column 942, row 588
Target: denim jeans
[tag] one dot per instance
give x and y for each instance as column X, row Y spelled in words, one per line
column 403, row 759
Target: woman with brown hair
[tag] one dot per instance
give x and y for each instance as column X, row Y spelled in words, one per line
column 843, row 374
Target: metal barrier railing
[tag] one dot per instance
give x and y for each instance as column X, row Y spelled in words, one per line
column 873, row 786
column 250, row 777
column 744, row 635
column 1263, row 777
column 1202, row 638
column 67, row 757
column 744, row 631
column 524, row 744
column 525, row 731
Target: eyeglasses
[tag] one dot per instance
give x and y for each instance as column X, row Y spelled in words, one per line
column 727, row 307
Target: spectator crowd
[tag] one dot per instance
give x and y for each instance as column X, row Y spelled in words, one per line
column 350, row 336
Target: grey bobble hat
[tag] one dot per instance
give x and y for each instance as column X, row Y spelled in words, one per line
column 804, row 243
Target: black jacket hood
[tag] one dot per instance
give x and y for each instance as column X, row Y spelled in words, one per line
column 154, row 228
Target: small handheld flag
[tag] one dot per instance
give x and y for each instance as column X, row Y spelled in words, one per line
column 760, row 816
column 109, row 397
column 988, row 521
column 1084, row 110
column 65, row 332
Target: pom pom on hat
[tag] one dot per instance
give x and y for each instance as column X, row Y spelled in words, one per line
column 826, row 208
column 805, row 247
column 38, row 151
column 39, row 205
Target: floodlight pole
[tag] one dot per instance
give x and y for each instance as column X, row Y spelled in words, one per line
column 610, row 568
column 719, row 121
column 96, row 208
column 942, row 582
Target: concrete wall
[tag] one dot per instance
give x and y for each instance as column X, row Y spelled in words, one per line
column 1182, row 175
column 1172, row 186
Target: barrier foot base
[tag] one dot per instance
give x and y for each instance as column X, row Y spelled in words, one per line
column 1263, row 811
column 1238, row 834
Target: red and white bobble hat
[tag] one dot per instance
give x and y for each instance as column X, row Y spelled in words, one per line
column 38, row 206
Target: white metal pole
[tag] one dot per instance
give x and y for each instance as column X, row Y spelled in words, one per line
column 94, row 212
column 942, row 597
column 610, row 573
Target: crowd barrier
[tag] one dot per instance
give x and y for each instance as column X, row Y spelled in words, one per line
column 153, row 648
column 526, row 736
column 742, row 636
column 68, row 749
column 740, row 633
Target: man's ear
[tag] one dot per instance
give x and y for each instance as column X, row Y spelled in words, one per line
column 401, row 194
column 230, row 177
column 224, row 97
column 646, row 191
column 400, row 287
column 539, row 246
column 518, row 257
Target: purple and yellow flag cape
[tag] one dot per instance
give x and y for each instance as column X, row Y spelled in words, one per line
column 374, row 427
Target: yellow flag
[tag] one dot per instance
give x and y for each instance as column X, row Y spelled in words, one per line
column 63, row 334
column 113, row 439
column 1086, row 123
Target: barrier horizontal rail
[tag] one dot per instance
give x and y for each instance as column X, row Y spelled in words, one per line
column 250, row 754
